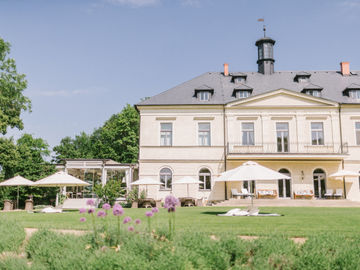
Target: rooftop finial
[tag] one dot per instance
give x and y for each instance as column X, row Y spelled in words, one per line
column 264, row 26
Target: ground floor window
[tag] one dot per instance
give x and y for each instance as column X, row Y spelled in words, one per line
column 284, row 185
column 319, row 177
column 165, row 178
column 205, row 179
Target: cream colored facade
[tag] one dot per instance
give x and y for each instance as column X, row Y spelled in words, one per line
column 301, row 158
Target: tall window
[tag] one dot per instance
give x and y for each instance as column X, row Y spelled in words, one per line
column 204, row 134
column 205, row 179
column 166, row 134
column 165, row 178
column 247, row 133
column 317, row 134
column 357, row 131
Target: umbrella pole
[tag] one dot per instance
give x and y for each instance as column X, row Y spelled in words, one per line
column 344, row 187
column 17, row 199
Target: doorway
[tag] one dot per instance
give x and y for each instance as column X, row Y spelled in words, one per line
column 250, row 186
column 284, row 185
column 319, row 177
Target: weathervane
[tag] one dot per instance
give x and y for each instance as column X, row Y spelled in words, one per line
column 264, row 26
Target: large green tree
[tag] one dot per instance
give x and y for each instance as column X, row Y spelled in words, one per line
column 117, row 139
column 12, row 85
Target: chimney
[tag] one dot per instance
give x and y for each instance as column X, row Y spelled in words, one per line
column 345, row 68
column 226, row 69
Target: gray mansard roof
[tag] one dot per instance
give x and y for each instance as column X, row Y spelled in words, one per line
column 331, row 83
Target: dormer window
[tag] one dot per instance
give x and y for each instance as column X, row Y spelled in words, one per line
column 354, row 93
column 238, row 77
column 302, row 77
column 242, row 93
column 314, row 93
column 204, row 95
column 312, row 90
column 204, row 92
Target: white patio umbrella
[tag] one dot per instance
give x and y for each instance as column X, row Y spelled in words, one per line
column 186, row 180
column 343, row 174
column 60, row 179
column 145, row 182
column 17, row 181
column 250, row 171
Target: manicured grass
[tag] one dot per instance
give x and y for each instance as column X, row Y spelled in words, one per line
column 296, row 221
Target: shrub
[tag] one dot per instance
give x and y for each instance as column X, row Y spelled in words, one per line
column 11, row 235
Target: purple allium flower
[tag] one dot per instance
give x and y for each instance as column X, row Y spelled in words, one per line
column 106, row 206
column 101, row 214
column 127, row 220
column 155, row 210
column 171, row 209
column 82, row 210
column 91, row 210
column 90, row 202
column 82, row 219
column 118, row 210
column 137, row 221
column 149, row 214
column 131, row 229
column 171, row 202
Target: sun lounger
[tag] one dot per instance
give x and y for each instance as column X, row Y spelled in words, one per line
column 338, row 194
column 329, row 194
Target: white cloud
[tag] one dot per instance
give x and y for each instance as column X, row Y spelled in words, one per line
column 134, row 3
column 351, row 3
column 191, row 3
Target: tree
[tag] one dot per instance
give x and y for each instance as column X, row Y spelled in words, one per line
column 12, row 85
column 80, row 147
column 8, row 158
column 117, row 139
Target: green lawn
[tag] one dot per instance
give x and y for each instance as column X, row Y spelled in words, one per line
column 296, row 221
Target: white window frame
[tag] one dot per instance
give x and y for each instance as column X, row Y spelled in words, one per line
column 242, row 93
column 202, row 178
column 248, row 131
column 354, row 93
column 357, row 130
column 168, row 176
column 201, row 134
column 311, row 93
column 318, row 131
column 166, row 136
column 204, row 95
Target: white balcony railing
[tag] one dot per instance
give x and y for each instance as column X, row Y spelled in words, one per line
column 292, row 148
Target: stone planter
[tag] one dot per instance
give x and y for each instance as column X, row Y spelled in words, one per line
column 29, row 205
column 134, row 205
column 8, row 205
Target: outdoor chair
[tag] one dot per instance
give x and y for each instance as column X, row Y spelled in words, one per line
column 269, row 194
column 235, row 193
column 338, row 194
column 246, row 193
column 329, row 194
column 303, row 194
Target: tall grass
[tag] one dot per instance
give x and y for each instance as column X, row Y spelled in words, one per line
column 12, row 234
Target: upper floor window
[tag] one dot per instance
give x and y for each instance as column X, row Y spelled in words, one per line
column 204, row 95
column 357, row 131
column 205, row 179
column 301, row 79
column 165, row 178
column 247, row 133
column 165, row 134
column 317, row 133
column 315, row 93
column 204, row 134
column 355, row 93
column 239, row 79
column 242, row 93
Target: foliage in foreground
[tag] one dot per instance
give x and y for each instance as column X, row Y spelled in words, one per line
column 48, row 250
column 12, row 235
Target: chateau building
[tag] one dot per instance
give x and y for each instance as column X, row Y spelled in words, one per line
column 305, row 124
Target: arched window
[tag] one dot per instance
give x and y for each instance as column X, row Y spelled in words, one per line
column 165, row 178
column 319, row 177
column 284, row 185
column 205, row 179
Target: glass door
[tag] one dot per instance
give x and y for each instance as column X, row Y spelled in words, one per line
column 284, row 185
column 282, row 137
column 250, row 186
column 319, row 183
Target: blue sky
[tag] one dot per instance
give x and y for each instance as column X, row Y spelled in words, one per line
column 84, row 60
